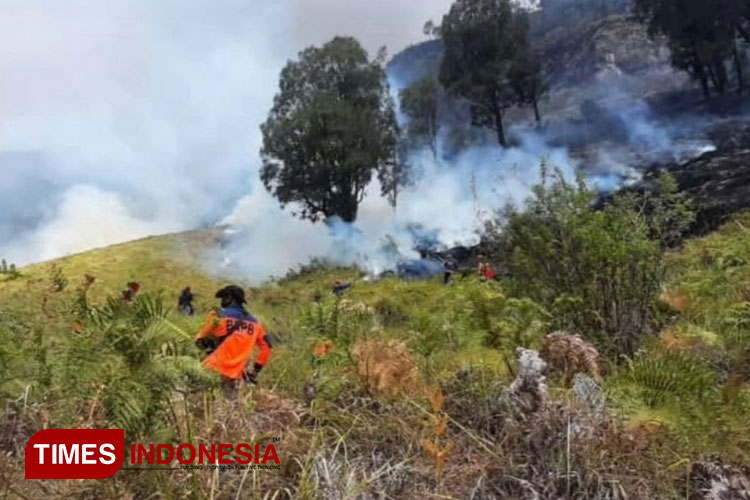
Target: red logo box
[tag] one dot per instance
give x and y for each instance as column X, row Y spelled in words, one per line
column 74, row 453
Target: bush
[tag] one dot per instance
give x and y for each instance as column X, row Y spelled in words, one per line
column 598, row 270
column 505, row 322
column 9, row 271
column 57, row 279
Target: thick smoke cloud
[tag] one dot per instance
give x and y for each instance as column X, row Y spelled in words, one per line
column 394, row 24
column 447, row 206
column 122, row 119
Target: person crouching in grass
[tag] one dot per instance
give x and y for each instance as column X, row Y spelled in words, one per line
column 229, row 337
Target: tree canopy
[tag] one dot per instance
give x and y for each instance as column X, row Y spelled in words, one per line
column 525, row 73
column 419, row 102
column 703, row 36
column 482, row 39
column 332, row 126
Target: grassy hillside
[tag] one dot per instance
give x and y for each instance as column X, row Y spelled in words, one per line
column 167, row 263
column 399, row 388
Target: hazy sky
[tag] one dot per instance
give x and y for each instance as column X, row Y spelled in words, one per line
column 122, row 118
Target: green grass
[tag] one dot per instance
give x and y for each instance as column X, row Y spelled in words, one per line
column 163, row 263
column 695, row 378
column 166, row 264
column 713, row 272
column 690, row 387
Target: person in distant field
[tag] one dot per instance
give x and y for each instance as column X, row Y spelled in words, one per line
column 185, row 302
column 485, row 271
column 230, row 337
column 130, row 292
column 450, row 266
column 489, row 273
column 339, row 287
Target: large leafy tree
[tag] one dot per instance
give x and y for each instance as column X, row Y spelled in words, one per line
column 525, row 73
column 419, row 102
column 481, row 39
column 332, row 126
column 702, row 36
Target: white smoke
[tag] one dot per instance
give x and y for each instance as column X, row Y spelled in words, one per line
column 86, row 217
column 142, row 116
column 451, row 199
column 125, row 118
column 448, row 205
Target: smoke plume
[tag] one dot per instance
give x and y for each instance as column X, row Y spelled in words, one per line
column 125, row 118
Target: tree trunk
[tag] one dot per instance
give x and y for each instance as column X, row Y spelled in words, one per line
column 344, row 199
column 743, row 31
column 499, row 127
column 719, row 72
column 700, row 71
column 738, row 70
column 348, row 208
column 537, row 115
column 434, row 128
column 714, row 78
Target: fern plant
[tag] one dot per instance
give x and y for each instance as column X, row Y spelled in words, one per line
column 123, row 353
column 663, row 377
column 338, row 320
column 57, row 280
column 322, row 319
column 506, row 322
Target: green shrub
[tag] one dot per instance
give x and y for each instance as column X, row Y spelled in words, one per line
column 503, row 322
column 9, row 271
column 597, row 270
column 391, row 311
column 323, row 319
column 57, row 279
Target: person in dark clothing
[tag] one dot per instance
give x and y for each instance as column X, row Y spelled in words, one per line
column 339, row 287
column 450, row 266
column 185, row 302
column 130, row 292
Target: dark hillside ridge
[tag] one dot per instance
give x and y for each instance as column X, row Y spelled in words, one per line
column 594, row 70
column 718, row 181
column 572, row 54
column 614, row 95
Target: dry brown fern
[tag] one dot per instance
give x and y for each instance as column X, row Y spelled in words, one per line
column 385, row 365
column 677, row 301
column 570, row 354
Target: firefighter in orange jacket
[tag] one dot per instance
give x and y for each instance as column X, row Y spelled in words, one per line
column 230, row 337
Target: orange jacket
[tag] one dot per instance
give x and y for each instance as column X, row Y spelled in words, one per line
column 239, row 332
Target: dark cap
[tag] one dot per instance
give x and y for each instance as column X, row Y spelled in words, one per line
column 233, row 292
